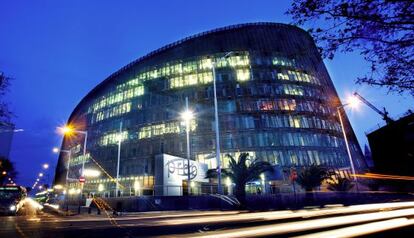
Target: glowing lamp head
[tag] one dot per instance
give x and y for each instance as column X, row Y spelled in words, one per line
column 66, row 130
column 40, row 174
column 55, row 150
column 4, row 173
column 45, row 166
column 353, row 102
column 187, row 115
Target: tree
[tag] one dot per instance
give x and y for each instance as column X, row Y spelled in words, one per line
column 240, row 172
column 340, row 184
column 311, row 177
column 382, row 31
column 7, row 170
column 5, row 114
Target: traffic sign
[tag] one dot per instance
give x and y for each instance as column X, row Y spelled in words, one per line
column 81, row 179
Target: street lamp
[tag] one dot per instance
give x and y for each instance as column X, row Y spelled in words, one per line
column 187, row 116
column 45, row 166
column 118, row 159
column 68, row 130
column 353, row 103
column 57, row 150
column 40, row 174
column 213, row 68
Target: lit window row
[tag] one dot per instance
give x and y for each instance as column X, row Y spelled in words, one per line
column 268, row 105
column 199, row 72
column 293, row 90
column 282, row 158
column 174, row 127
column 117, row 97
column 144, row 181
column 204, row 64
column 277, row 121
column 283, row 61
column 113, row 138
column 191, row 79
column 232, row 122
column 77, row 160
column 297, row 76
column 112, row 112
column 283, row 105
column 265, row 139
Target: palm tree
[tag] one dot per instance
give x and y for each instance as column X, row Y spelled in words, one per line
column 240, row 172
column 312, row 177
column 340, row 185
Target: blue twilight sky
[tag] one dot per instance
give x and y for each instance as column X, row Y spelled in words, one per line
column 57, row 52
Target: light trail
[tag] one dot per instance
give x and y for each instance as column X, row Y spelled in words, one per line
column 278, row 229
column 33, row 203
column 384, row 176
column 161, row 216
column 288, row 214
column 365, row 229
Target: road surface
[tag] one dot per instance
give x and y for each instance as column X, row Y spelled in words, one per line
column 372, row 220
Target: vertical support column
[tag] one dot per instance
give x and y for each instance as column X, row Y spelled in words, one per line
column 118, row 160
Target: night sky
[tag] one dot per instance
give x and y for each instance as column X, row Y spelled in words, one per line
column 56, row 53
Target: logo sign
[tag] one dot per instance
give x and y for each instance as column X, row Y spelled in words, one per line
column 179, row 167
column 171, row 171
column 81, row 179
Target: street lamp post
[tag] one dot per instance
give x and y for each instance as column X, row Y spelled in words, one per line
column 187, row 115
column 68, row 130
column 118, row 160
column 56, row 150
column 338, row 109
column 216, row 118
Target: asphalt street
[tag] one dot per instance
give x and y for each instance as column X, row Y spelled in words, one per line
column 370, row 220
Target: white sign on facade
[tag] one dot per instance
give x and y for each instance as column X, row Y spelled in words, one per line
column 170, row 171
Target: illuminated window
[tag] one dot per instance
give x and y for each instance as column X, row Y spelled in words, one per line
column 243, row 74
column 164, row 128
column 205, row 64
column 113, row 138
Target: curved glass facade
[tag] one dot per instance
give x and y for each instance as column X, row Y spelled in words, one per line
column 275, row 101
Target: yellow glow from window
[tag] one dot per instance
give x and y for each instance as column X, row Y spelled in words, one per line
column 164, row 128
column 243, row 74
column 113, row 138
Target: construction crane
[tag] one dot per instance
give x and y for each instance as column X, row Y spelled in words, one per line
column 383, row 113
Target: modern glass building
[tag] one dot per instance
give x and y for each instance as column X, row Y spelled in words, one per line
column 275, row 101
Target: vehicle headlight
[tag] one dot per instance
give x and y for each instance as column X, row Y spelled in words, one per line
column 12, row 208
